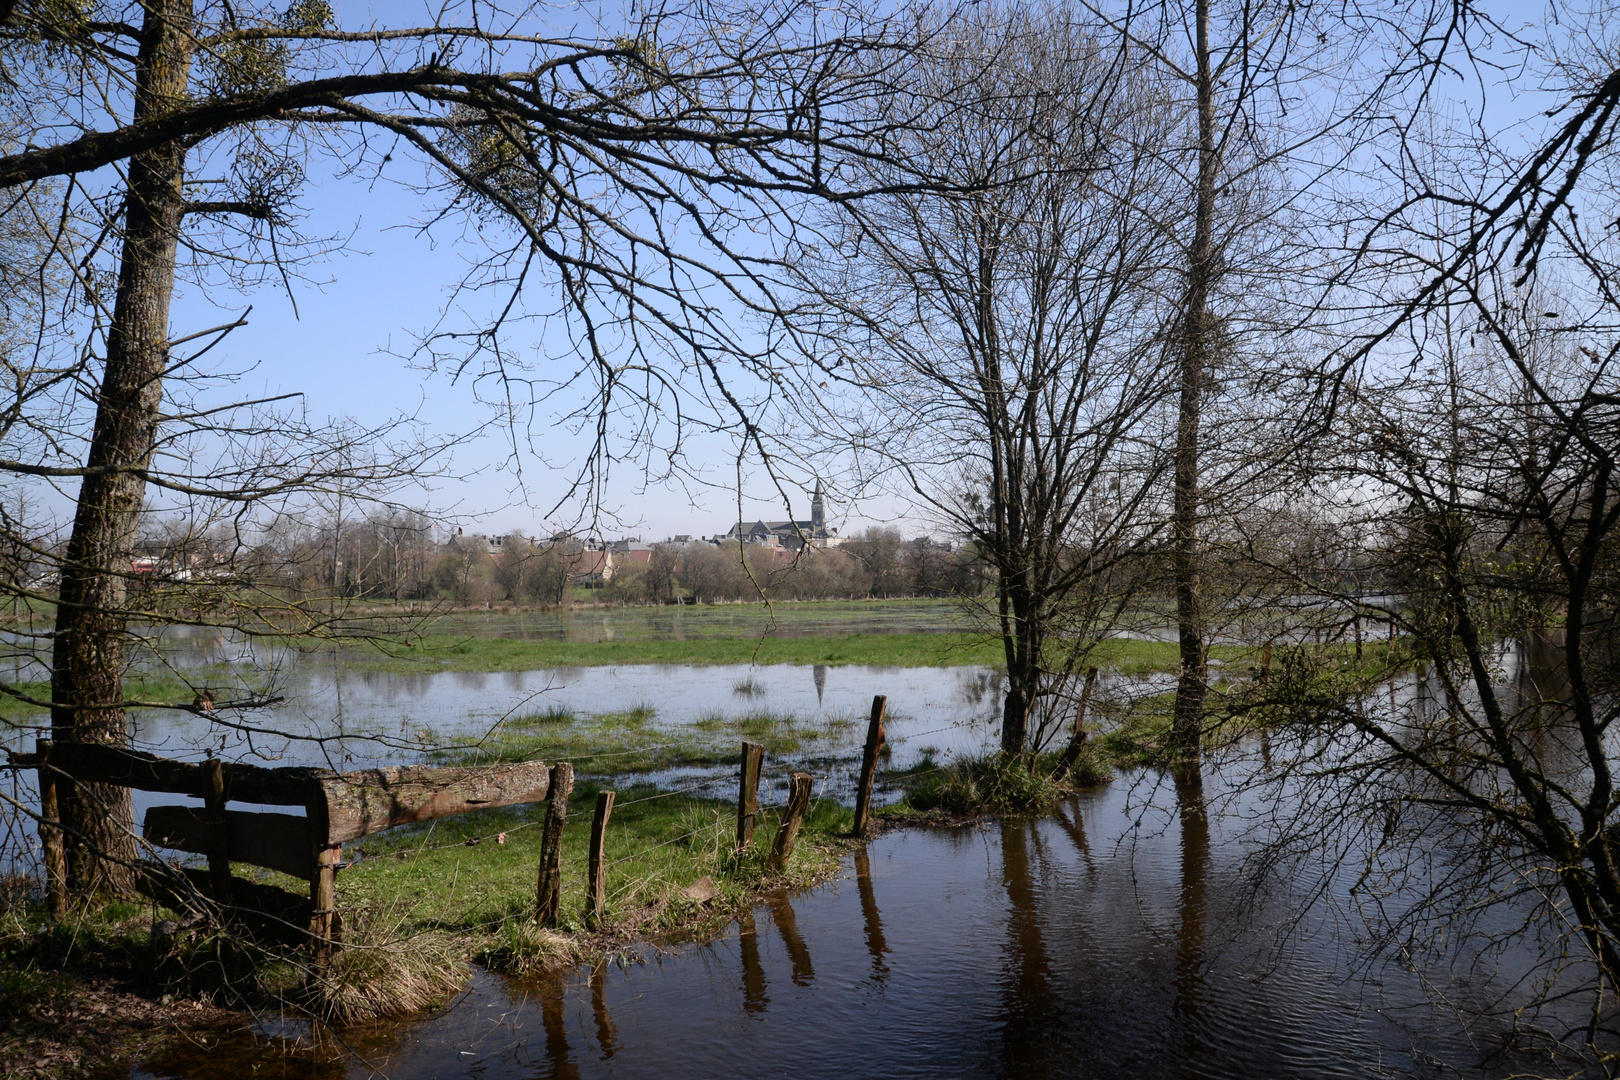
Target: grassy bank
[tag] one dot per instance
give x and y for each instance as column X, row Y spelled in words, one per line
column 417, row 906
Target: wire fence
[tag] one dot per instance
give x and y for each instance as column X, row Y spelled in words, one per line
column 471, row 885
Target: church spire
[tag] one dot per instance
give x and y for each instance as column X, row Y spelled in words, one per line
column 818, row 509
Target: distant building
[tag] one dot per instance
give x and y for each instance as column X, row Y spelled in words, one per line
column 788, row 534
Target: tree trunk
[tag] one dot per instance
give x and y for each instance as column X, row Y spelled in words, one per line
column 88, row 664
column 1193, row 685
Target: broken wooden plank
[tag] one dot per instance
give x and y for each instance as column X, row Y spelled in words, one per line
column 148, row 772
column 370, row 800
column 276, row 841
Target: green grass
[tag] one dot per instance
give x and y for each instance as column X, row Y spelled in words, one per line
column 456, row 875
column 457, row 653
column 468, row 653
column 998, row 783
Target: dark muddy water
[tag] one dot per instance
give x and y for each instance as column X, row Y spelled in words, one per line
column 1116, row 939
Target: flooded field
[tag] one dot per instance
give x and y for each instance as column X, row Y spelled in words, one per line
column 1117, row 938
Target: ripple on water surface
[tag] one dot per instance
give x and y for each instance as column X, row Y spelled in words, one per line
column 1081, row 945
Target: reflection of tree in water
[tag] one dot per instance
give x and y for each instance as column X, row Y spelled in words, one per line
column 875, row 943
column 754, row 996
column 1031, row 1003
column 981, row 688
column 1189, row 985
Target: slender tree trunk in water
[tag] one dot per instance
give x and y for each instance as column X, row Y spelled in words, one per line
column 1196, row 332
column 1023, row 647
column 88, row 664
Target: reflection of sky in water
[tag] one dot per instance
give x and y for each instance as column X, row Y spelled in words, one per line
column 1116, row 938
column 943, row 709
column 368, row 718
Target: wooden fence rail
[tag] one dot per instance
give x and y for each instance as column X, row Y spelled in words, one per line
column 338, row 807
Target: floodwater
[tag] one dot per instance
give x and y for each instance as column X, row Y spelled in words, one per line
column 1114, row 939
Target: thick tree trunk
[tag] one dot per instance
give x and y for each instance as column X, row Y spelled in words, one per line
column 88, row 665
column 1193, row 685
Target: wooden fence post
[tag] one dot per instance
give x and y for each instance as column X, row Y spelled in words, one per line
column 874, row 741
column 1265, row 662
column 788, row 832
column 549, row 893
column 753, row 757
column 323, row 904
column 596, row 887
column 54, row 849
column 219, row 842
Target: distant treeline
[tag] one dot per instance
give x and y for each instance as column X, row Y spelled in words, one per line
column 396, row 556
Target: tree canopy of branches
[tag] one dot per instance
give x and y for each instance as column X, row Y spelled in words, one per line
column 612, row 173
column 1004, row 344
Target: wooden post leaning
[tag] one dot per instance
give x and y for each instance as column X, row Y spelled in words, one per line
column 787, row 834
column 596, row 885
column 219, row 837
column 874, row 742
column 753, row 758
column 52, row 844
column 549, row 893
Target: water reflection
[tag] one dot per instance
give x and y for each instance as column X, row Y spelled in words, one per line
column 607, row 1036
column 1193, row 816
column 1030, row 1006
column 787, row 924
column 870, row 917
column 1077, row 946
column 554, row 1022
column 818, row 674
column 755, row 997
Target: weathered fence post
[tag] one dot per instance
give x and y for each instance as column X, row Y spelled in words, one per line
column 874, row 741
column 753, row 756
column 219, row 841
column 596, row 887
column 787, row 834
column 549, row 893
column 51, row 842
column 1071, row 753
column 1265, row 662
column 323, row 904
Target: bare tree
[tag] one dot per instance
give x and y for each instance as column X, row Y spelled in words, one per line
column 611, row 170
column 1000, row 350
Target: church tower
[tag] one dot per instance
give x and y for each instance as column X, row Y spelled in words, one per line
column 818, row 510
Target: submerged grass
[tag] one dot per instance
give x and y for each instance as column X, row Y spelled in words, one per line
column 620, row 743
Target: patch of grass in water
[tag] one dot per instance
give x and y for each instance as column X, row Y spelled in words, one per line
column 748, row 687
column 554, row 714
column 613, row 744
column 1000, row 783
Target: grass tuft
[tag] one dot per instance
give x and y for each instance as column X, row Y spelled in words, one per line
column 1014, row 784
